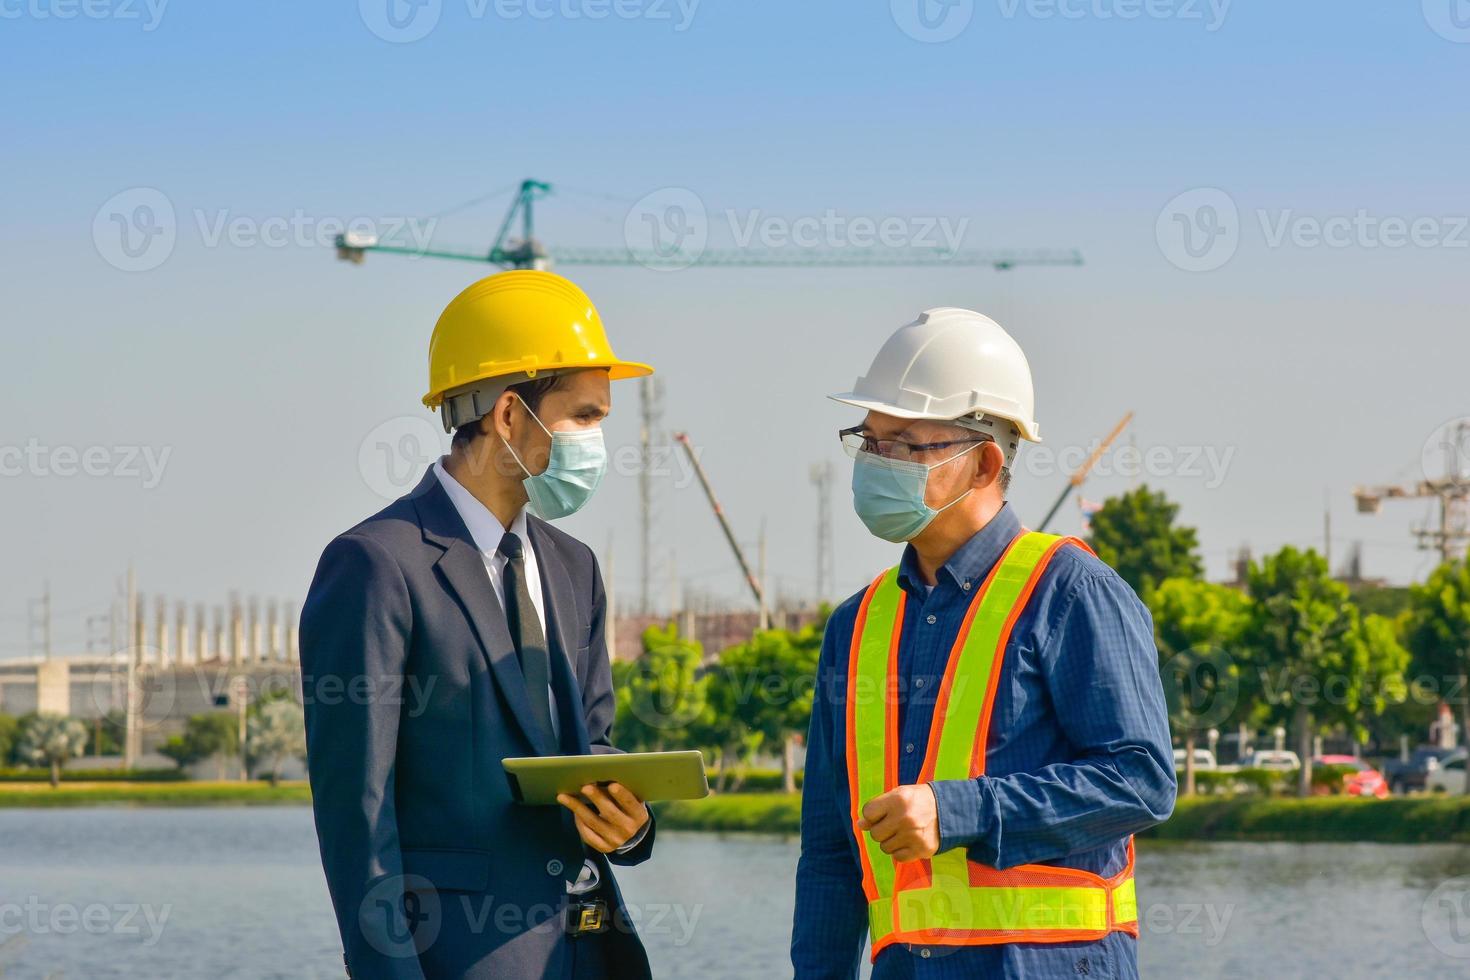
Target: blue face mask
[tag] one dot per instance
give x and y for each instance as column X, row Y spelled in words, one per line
column 888, row 495
column 575, row 468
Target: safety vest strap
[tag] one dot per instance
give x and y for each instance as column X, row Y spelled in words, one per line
column 950, row 899
column 871, row 770
column 962, row 709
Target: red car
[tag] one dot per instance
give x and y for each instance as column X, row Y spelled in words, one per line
column 1364, row 780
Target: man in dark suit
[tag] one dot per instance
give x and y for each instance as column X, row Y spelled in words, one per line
column 452, row 630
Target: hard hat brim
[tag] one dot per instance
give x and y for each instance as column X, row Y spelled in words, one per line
column 873, row 405
column 622, row 370
column 617, row 370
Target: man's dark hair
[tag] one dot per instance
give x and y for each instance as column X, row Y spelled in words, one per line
column 531, row 393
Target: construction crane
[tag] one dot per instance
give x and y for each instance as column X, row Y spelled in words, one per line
column 751, row 579
column 1452, row 491
column 526, row 252
column 1076, row 480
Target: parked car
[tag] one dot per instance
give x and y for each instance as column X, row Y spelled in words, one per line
column 1405, row 777
column 1272, row 759
column 1363, row 780
column 1203, row 759
column 1449, row 775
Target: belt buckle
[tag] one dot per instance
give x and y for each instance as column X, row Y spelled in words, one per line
column 586, row 917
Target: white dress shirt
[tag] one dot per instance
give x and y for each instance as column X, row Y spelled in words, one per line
column 486, row 531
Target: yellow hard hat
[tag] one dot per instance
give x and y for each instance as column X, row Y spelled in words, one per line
column 512, row 327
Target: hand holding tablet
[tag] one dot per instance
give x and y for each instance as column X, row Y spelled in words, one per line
column 651, row 776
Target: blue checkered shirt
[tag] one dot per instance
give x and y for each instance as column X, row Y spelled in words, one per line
column 1078, row 758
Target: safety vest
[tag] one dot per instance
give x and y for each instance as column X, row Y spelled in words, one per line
column 949, row 900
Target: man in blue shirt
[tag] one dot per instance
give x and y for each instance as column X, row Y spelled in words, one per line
column 1076, row 755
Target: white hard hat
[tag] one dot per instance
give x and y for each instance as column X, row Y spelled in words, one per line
column 949, row 365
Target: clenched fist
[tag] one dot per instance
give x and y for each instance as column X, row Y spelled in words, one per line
column 904, row 821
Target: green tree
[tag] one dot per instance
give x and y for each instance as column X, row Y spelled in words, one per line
column 1329, row 667
column 1388, row 661
column 274, row 732
column 1136, row 535
column 1438, row 633
column 49, row 740
column 774, row 675
column 105, row 734
column 9, row 727
column 720, row 730
column 214, row 734
column 1198, row 627
column 661, row 694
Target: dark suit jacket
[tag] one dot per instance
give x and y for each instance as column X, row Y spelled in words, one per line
column 413, row 694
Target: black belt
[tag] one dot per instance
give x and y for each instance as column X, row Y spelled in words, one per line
column 586, row 918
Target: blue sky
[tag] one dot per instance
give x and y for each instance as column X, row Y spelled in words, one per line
column 262, row 367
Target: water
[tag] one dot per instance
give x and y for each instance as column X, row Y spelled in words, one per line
column 238, row 892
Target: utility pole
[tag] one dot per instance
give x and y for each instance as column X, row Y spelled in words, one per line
column 40, row 631
column 130, row 708
column 1451, row 491
column 765, row 610
column 821, row 475
column 240, row 688
column 650, row 402
column 1327, row 530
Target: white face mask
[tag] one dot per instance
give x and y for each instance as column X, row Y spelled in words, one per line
column 573, row 471
column 889, row 495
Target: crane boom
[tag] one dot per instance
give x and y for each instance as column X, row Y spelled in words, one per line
column 709, row 491
column 1077, row 478
column 529, row 253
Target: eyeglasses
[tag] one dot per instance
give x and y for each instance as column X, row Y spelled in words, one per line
column 856, row 440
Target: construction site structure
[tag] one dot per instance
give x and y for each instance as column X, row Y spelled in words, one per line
column 1450, row 535
column 527, row 252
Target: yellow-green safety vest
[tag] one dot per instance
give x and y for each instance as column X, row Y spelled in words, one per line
column 949, row 900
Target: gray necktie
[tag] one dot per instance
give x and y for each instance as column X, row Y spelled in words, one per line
column 530, row 640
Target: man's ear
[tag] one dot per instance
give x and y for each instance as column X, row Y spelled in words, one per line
column 992, row 460
column 497, row 420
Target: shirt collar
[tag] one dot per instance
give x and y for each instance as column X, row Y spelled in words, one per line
column 483, row 526
column 974, row 559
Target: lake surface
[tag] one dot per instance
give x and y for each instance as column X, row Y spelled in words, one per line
column 238, row 892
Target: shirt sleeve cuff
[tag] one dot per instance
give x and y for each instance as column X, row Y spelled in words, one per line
column 637, row 838
column 961, row 816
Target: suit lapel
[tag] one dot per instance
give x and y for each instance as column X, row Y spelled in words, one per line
column 560, row 604
column 464, row 572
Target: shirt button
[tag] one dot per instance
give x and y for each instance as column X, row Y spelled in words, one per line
column 909, row 748
column 932, row 619
column 918, row 682
column 966, row 586
column 924, row 953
